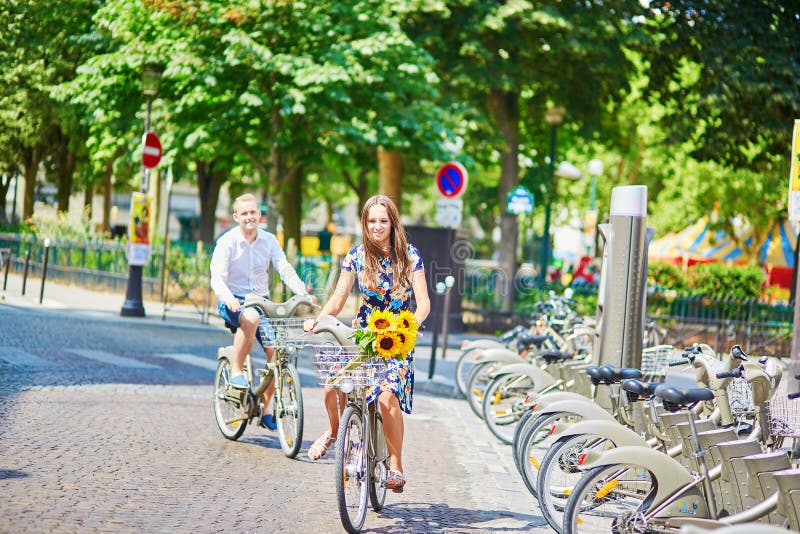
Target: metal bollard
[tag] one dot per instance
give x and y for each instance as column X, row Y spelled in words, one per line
column 448, row 282
column 7, row 265
column 25, row 270
column 44, row 268
column 440, row 289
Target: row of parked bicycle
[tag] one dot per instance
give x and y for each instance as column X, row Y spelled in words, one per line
column 609, row 449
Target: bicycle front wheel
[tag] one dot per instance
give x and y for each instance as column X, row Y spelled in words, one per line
column 378, row 464
column 352, row 475
column 502, row 404
column 463, row 367
column 289, row 410
column 608, row 498
column 229, row 409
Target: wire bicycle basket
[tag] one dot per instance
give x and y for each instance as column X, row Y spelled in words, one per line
column 654, row 362
column 278, row 333
column 740, row 397
column 337, row 365
column 784, row 416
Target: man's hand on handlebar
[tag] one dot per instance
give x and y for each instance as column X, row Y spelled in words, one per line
column 233, row 304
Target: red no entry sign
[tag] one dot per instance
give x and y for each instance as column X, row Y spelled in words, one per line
column 151, row 154
column 451, row 179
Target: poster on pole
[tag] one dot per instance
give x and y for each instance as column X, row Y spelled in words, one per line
column 139, row 230
column 794, row 175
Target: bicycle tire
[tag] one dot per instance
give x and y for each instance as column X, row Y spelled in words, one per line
column 501, row 412
column 477, row 383
column 560, row 472
column 534, row 445
column 518, row 430
column 225, row 407
column 607, row 499
column 289, row 415
column 378, row 465
column 352, row 442
column 463, row 366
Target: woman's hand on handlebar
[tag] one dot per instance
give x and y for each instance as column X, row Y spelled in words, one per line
column 309, row 324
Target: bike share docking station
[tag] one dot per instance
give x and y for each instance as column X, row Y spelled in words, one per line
column 623, row 281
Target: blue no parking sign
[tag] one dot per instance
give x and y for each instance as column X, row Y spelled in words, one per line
column 451, row 180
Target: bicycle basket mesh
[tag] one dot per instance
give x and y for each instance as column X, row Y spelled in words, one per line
column 740, row 397
column 784, row 415
column 336, row 363
column 654, row 361
column 276, row 333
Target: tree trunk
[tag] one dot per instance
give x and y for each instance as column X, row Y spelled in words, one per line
column 360, row 185
column 5, row 184
column 34, row 157
column 291, row 200
column 65, row 161
column 390, row 174
column 108, row 171
column 88, row 199
column 505, row 111
column 209, row 182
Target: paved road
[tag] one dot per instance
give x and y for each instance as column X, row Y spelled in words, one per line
column 108, row 426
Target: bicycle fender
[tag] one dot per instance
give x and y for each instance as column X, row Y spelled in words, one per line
column 619, row 435
column 225, row 352
column 554, row 395
column 498, row 355
column 669, row 474
column 583, row 407
column 482, row 344
column 541, row 379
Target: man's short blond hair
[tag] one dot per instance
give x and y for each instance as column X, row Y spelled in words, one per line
column 247, row 197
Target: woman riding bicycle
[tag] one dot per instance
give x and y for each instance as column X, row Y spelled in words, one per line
column 388, row 270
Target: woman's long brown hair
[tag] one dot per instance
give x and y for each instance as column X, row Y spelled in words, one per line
column 398, row 245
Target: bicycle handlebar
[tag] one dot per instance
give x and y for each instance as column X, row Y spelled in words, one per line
column 682, row 361
column 794, row 395
column 733, row 373
column 279, row 309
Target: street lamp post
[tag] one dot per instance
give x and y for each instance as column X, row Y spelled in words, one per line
column 133, row 306
column 553, row 116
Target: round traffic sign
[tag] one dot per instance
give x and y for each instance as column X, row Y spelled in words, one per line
column 451, row 179
column 151, row 154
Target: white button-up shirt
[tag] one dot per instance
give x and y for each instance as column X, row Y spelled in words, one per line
column 240, row 268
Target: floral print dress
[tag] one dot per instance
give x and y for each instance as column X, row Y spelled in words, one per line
column 384, row 294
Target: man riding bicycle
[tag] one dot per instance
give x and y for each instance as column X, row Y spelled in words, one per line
column 239, row 266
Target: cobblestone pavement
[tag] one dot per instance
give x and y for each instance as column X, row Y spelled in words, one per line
column 106, row 427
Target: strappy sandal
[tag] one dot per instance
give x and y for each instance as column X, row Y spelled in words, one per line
column 320, row 447
column 395, row 481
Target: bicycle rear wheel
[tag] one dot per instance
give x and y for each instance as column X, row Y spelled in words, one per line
column 502, row 404
column 378, row 464
column 607, row 499
column 352, row 476
column 229, row 403
column 289, row 411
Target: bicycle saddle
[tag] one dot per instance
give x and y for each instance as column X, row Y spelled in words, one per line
column 525, row 341
column 677, row 398
column 612, row 374
column 594, row 374
column 553, row 356
column 637, row 390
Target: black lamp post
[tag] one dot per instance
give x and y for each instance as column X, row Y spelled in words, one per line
column 133, row 306
column 553, row 116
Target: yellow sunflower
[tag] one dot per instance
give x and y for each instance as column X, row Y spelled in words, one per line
column 407, row 341
column 387, row 344
column 408, row 321
column 382, row 320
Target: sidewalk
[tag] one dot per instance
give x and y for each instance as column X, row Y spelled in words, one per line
column 61, row 298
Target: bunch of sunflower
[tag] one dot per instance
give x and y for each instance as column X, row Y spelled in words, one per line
column 388, row 334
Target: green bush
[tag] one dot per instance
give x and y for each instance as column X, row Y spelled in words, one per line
column 662, row 275
column 721, row 280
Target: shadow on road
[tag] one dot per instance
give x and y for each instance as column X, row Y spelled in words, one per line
column 433, row 517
